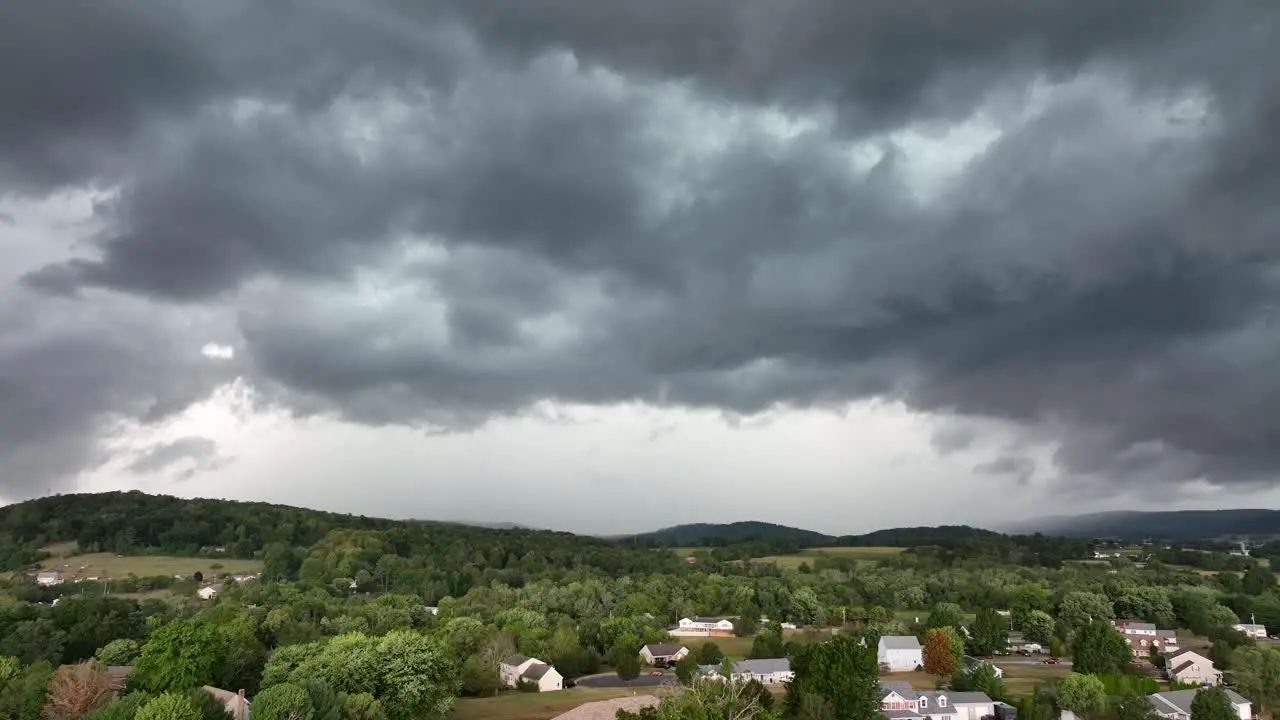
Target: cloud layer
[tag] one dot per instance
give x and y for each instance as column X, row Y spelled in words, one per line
column 1054, row 214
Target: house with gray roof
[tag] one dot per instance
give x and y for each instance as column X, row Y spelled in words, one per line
column 662, row 653
column 770, row 671
column 516, row 669
column 899, row 653
column 1176, row 704
column 900, row 701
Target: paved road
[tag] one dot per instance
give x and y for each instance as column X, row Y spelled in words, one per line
column 612, row 680
column 1030, row 661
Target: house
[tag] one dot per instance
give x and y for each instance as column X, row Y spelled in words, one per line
column 703, row 627
column 48, row 578
column 547, row 678
column 662, row 653
column 899, row 653
column 1142, row 636
column 899, row 701
column 770, row 671
column 208, row 592
column 608, row 709
column 1176, row 704
column 1017, row 642
column 1187, row 666
column 1253, row 630
column 521, row 668
column 971, row 662
column 245, row 578
column 235, row 703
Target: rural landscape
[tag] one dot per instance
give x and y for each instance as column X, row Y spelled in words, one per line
column 125, row 604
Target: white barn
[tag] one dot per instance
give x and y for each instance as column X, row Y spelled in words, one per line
column 899, row 653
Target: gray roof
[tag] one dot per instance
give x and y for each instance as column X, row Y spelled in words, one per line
column 900, row 642
column 763, row 666
column 536, row 671
column 516, row 660
column 1180, row 700
column 664, row 649
column 1167, row 633
column 900, row 714
column 1130, row 624
column 953, row 698
column 1252, row 626
column 700, row 619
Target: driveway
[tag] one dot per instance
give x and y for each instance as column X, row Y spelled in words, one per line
column 604, row 680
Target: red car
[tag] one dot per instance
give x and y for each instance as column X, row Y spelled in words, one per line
column 656, row 673
column 1051, row 661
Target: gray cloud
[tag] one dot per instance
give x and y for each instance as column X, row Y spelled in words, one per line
column 574, row 203
column 200, row 452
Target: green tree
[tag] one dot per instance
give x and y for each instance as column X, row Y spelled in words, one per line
column 1100, row 649
column 325, row 704
column 1256, row 671
column 768, row 643
column 1037, row 626
column 1258, row 579
column 282, row 702
column 1155, row 657
column 123, row 708
column 688, row 670
column 748, row 619
column 180, row 655
column 944, row 615
column 361, row 706
column 1082, row 694
column 1213, row 704
column 118, row 652
column 709, row 654
column 479, row 678
column 22, row 696
column 209, row 707
column 988, row 633
column 1133, row 705
column 939, row 660
column 979, row 678
column 171, row 706
column 707, row 701
column 626, row 660
column 34, row 640
column 1082, row 608
column 839, row 676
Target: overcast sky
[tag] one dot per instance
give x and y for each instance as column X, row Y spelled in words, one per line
column 610, row 265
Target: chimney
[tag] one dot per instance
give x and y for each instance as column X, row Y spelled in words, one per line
column 240, row 705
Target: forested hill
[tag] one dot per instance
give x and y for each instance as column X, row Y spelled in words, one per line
column 915, row 536
column 722, row 534
column 1177, row 525
column 441, row 558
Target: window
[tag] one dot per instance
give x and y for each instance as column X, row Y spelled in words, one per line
column 924, row 702
column 942, row 701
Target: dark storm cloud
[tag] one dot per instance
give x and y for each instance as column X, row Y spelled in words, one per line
column 600, row 229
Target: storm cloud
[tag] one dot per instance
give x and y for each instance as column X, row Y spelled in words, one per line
column 1058, row 214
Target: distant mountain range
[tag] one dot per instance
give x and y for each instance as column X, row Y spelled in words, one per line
column 697, row 533
column 1177, row 525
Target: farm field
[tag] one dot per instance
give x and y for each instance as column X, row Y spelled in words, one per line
column 107, row 565
column 793, row 561
column 534, row 706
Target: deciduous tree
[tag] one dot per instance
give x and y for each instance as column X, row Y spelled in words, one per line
column 709, row 654
column 282, row 702
column 939, row 660
column 1082, row 694
column 1037, row 626
column 118, row 652
column 76, row 690
column 988, row 633
column 1100, row 649
column 837, row 678
column 1213, row 704
column 170, row 706
column 1133, row 705
column 687, row 669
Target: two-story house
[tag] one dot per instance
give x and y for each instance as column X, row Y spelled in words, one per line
column 703, row 627
column 1253, row 630
column 899, row 653
column 1142, row 636
column 899, row 701
column 1186, row 666
column 520, row 668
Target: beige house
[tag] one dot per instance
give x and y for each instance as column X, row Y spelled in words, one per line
column 1191, row 667
column 1176, row 704
column 702, row 627
column 520, row 668
column 664, row 653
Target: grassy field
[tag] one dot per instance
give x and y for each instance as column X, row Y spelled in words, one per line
column 734, row 647
column 535, row 706
column 107, row 565
column 791, row 562
column 1019, row 679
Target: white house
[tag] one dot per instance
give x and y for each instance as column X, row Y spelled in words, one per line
column 771, row 671
column 48, row 578
column 899, row 653
column 207, row 593
column 902, row 702
column 1191, row 667
column 517, row 668
column 1176, row 704
column 703, row 627
column 1253, row 630
column 662, row 653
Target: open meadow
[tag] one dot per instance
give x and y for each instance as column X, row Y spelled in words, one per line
column 794, row 560
column 109, row 565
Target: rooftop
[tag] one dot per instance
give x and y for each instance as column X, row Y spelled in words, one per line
column 900, row 642
column 1180, row 700
column 664, row 649
column 536, row 671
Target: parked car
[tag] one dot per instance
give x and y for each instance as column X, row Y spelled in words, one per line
column 656, row 673
column 1051, row 661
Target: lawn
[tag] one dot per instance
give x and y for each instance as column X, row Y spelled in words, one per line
column 535, row 706
column 108, row 565
column 793, row 561
column 1019, row 679
column 734, row 647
